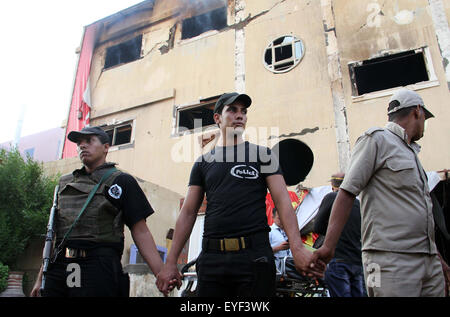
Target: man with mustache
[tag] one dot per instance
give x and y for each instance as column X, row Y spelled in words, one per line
column 236, row 257
column 94, row 243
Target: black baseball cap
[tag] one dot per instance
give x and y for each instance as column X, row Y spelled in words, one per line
column 75, row 136
column 228, row 98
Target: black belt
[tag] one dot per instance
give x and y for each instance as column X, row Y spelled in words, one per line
column 235, row 244
column 71, row 253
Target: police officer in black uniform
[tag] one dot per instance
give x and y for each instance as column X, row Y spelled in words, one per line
column 89, row 250
column 236, row 257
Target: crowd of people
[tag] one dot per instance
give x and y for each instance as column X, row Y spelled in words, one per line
column 379, row 215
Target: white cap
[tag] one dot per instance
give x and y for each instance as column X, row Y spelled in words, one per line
column 408, row 98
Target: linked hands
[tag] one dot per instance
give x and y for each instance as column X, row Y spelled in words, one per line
column 168, row 278
column 306, row 264
column 313, row 264
column 323, row 254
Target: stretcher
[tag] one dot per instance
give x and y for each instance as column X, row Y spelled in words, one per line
column 290, row 283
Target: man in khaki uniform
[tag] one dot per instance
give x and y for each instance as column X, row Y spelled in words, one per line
column 399, row 252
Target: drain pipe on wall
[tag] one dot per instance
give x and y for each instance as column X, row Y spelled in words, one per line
column 337, row 88
column 239, row 48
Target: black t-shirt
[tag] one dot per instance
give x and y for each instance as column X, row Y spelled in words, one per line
column 234, row 180
column 126, row 195
column 348, row 248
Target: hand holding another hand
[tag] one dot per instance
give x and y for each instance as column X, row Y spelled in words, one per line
column 168, row 278
column 307, row 264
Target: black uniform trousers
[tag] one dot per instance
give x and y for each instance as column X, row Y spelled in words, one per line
column 99, row 274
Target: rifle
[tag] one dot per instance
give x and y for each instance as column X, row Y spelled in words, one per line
column 46, row 255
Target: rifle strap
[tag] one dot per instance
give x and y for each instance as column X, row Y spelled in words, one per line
column 88, row 200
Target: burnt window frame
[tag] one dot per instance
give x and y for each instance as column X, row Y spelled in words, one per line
column 115, row 127
column 119, row 46
column 202, row 103
column 429, row 68
column 275, row 45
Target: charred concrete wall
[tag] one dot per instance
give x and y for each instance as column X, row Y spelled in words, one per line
column 175, row 71
column 316, row 101
column 369, row 29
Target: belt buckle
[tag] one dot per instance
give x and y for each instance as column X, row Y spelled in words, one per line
column 231, row 244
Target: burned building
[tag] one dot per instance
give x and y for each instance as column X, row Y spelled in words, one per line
column 319, row 71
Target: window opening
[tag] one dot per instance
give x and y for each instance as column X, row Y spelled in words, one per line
column 124, row 52
column 202, row 111
column 390, row 71
column 212, row 20
column 205, row 113
column 283, row 54
column 120, row 134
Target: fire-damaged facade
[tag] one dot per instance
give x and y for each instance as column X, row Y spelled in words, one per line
column 318, row 71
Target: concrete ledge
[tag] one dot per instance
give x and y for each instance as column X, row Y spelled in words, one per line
column 138, row 268
column 133, row 104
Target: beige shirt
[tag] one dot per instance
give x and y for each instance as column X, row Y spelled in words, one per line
column 396, row 208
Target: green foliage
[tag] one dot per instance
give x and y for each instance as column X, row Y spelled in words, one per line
column 4, row 270
column 25, row 201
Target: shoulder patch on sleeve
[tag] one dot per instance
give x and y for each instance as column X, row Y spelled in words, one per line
column 115, row 191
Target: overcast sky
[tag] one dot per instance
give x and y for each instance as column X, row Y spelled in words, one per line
column 38, row 60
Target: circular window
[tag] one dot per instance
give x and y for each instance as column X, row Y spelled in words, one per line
column 283, row 54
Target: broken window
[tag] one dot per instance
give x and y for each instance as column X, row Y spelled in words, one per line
column 212, row 20
column 283, row 54
column 394, row 70
column 119, row 134
column 196, row 116
column 124, row 52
